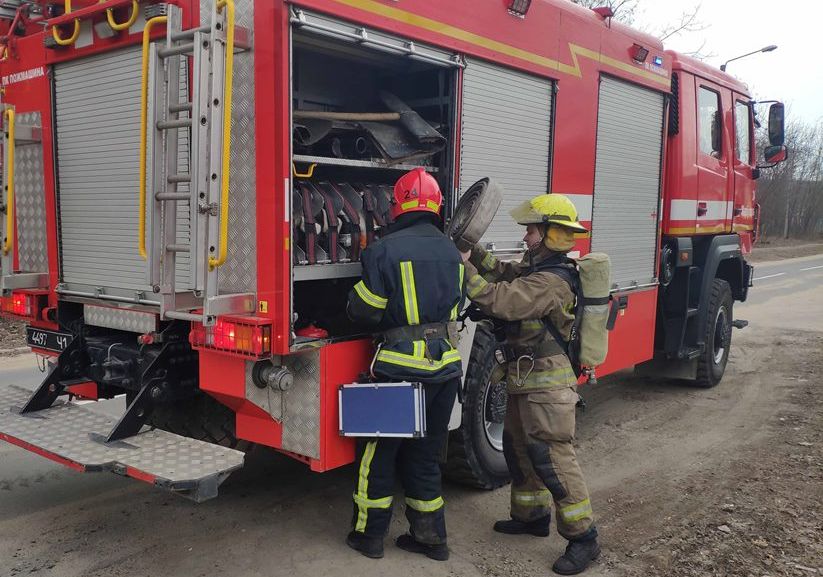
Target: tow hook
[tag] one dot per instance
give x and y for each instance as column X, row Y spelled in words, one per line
column 740, row 324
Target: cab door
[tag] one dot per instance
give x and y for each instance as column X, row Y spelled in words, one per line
column 743, row 166
column 715, row 187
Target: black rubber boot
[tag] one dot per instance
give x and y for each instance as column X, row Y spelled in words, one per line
column 371, row 547
column 410, row 544
column 538, row 527
column 578, row 556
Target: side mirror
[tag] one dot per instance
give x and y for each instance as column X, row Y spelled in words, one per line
column 775, row 154
column 776, row 128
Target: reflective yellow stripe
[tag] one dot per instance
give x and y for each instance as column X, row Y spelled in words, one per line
column 489, row 262
column 409, row 293
column 408, row 205
column 383, row 503
column 532, row 498
column 456, row 308
column 369, row 297
column 577, row 511
column 363, row 485
column 419, row 349
column 431, row 205
column 425, row 506
column 476, row 284
column 418, row 361
column 531, row 325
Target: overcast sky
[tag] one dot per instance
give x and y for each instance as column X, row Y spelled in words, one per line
column 793, row 73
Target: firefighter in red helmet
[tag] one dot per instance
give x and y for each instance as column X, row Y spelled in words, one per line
column 411, row 292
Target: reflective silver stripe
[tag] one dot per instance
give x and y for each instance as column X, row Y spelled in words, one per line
column 577, row 511
column 369, row 297
column 363, row 485
column 489, row 262
column 476, row 284
column 409, row 293
column 425, row 506
column 383, row 503
column 455, row 310
column 532, row 498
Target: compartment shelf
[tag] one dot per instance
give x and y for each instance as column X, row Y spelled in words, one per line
column 327, row 271
column 329, row 161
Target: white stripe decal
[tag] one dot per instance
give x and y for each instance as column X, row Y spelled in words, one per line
column 687, row 209
column 583, row 204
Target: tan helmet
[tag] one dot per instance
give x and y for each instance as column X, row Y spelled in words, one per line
column 548, row 209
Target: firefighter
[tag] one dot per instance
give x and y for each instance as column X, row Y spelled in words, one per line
column 535, row 299
column 411, row 291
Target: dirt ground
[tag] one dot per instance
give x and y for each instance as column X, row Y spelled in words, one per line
column 685, row 482
column 779, row 249
column 12, row 336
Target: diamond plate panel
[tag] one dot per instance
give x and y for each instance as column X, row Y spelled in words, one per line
column 266, row 398
column 239, row 274
column 30, row 201
column 301, row 405
column 70, row 432
column 120, row 319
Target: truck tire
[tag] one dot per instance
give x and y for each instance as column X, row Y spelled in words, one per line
column 475, row 450
column 200, row 417
column 717, row 334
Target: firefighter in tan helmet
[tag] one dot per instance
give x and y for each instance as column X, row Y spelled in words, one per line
column 535, row 299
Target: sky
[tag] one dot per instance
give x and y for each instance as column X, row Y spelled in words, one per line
column 793, row 73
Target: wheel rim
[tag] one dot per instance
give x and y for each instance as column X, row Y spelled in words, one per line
column 493, row 396
column 720, row 331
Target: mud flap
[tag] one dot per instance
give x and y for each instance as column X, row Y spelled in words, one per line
column 74, row 436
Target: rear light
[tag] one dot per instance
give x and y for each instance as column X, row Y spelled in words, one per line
column 250, row 337
column 23, row 304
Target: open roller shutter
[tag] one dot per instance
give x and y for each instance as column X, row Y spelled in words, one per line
column 627, row 180
column 506, row 131
column 98, row 143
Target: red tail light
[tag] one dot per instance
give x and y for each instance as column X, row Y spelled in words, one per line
column 250, row 337
column 23, row 304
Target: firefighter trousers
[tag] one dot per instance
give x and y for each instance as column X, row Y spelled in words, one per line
column 537, row 443
column 417, row 463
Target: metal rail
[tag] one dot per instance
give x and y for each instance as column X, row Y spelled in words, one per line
column 9, row 240
column 144, row 90
column 223, row 244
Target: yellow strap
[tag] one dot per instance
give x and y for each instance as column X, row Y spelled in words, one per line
column 425, row 506
column 409, row 293
column 456, row 308
column 223, row 245
column 577, row 511
column 75, row 33
column 144, row 112
column 370, row 298
column 363, row 485
column 135, row 10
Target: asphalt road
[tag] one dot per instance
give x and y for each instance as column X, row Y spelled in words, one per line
column 657, row 455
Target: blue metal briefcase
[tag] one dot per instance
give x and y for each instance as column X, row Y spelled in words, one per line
column 383, row 410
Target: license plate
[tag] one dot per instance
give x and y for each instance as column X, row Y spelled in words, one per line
column 47, row 340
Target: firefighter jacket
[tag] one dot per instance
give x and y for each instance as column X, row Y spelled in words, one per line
column 526, row 298
column 412, row 276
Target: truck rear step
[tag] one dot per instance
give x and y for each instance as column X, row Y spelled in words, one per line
column 75, row 436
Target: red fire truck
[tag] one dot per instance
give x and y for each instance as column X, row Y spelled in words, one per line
column 188, row 186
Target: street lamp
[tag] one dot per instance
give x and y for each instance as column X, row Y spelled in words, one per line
column 765, row 49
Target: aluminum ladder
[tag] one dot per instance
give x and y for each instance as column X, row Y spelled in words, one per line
column 203, row 189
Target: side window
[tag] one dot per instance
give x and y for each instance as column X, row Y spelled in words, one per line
column 709, row 120
column 742, row 132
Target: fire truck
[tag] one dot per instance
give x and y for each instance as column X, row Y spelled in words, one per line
column 188, row 186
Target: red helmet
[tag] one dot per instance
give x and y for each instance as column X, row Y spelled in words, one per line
column 416, row 191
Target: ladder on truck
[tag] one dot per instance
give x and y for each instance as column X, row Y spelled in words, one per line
column 207, row 117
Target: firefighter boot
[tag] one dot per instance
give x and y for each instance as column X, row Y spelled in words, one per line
column 538, row 527
column 371, row 547
column 580, row 552
column 439, row 552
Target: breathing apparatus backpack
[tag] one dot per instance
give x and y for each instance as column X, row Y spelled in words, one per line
column 590, row 280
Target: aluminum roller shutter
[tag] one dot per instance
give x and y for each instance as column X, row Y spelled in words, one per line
column 506, row 130
column 627, row 180
column 97, row 101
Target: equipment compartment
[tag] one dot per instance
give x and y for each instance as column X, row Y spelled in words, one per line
column 362, row 115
